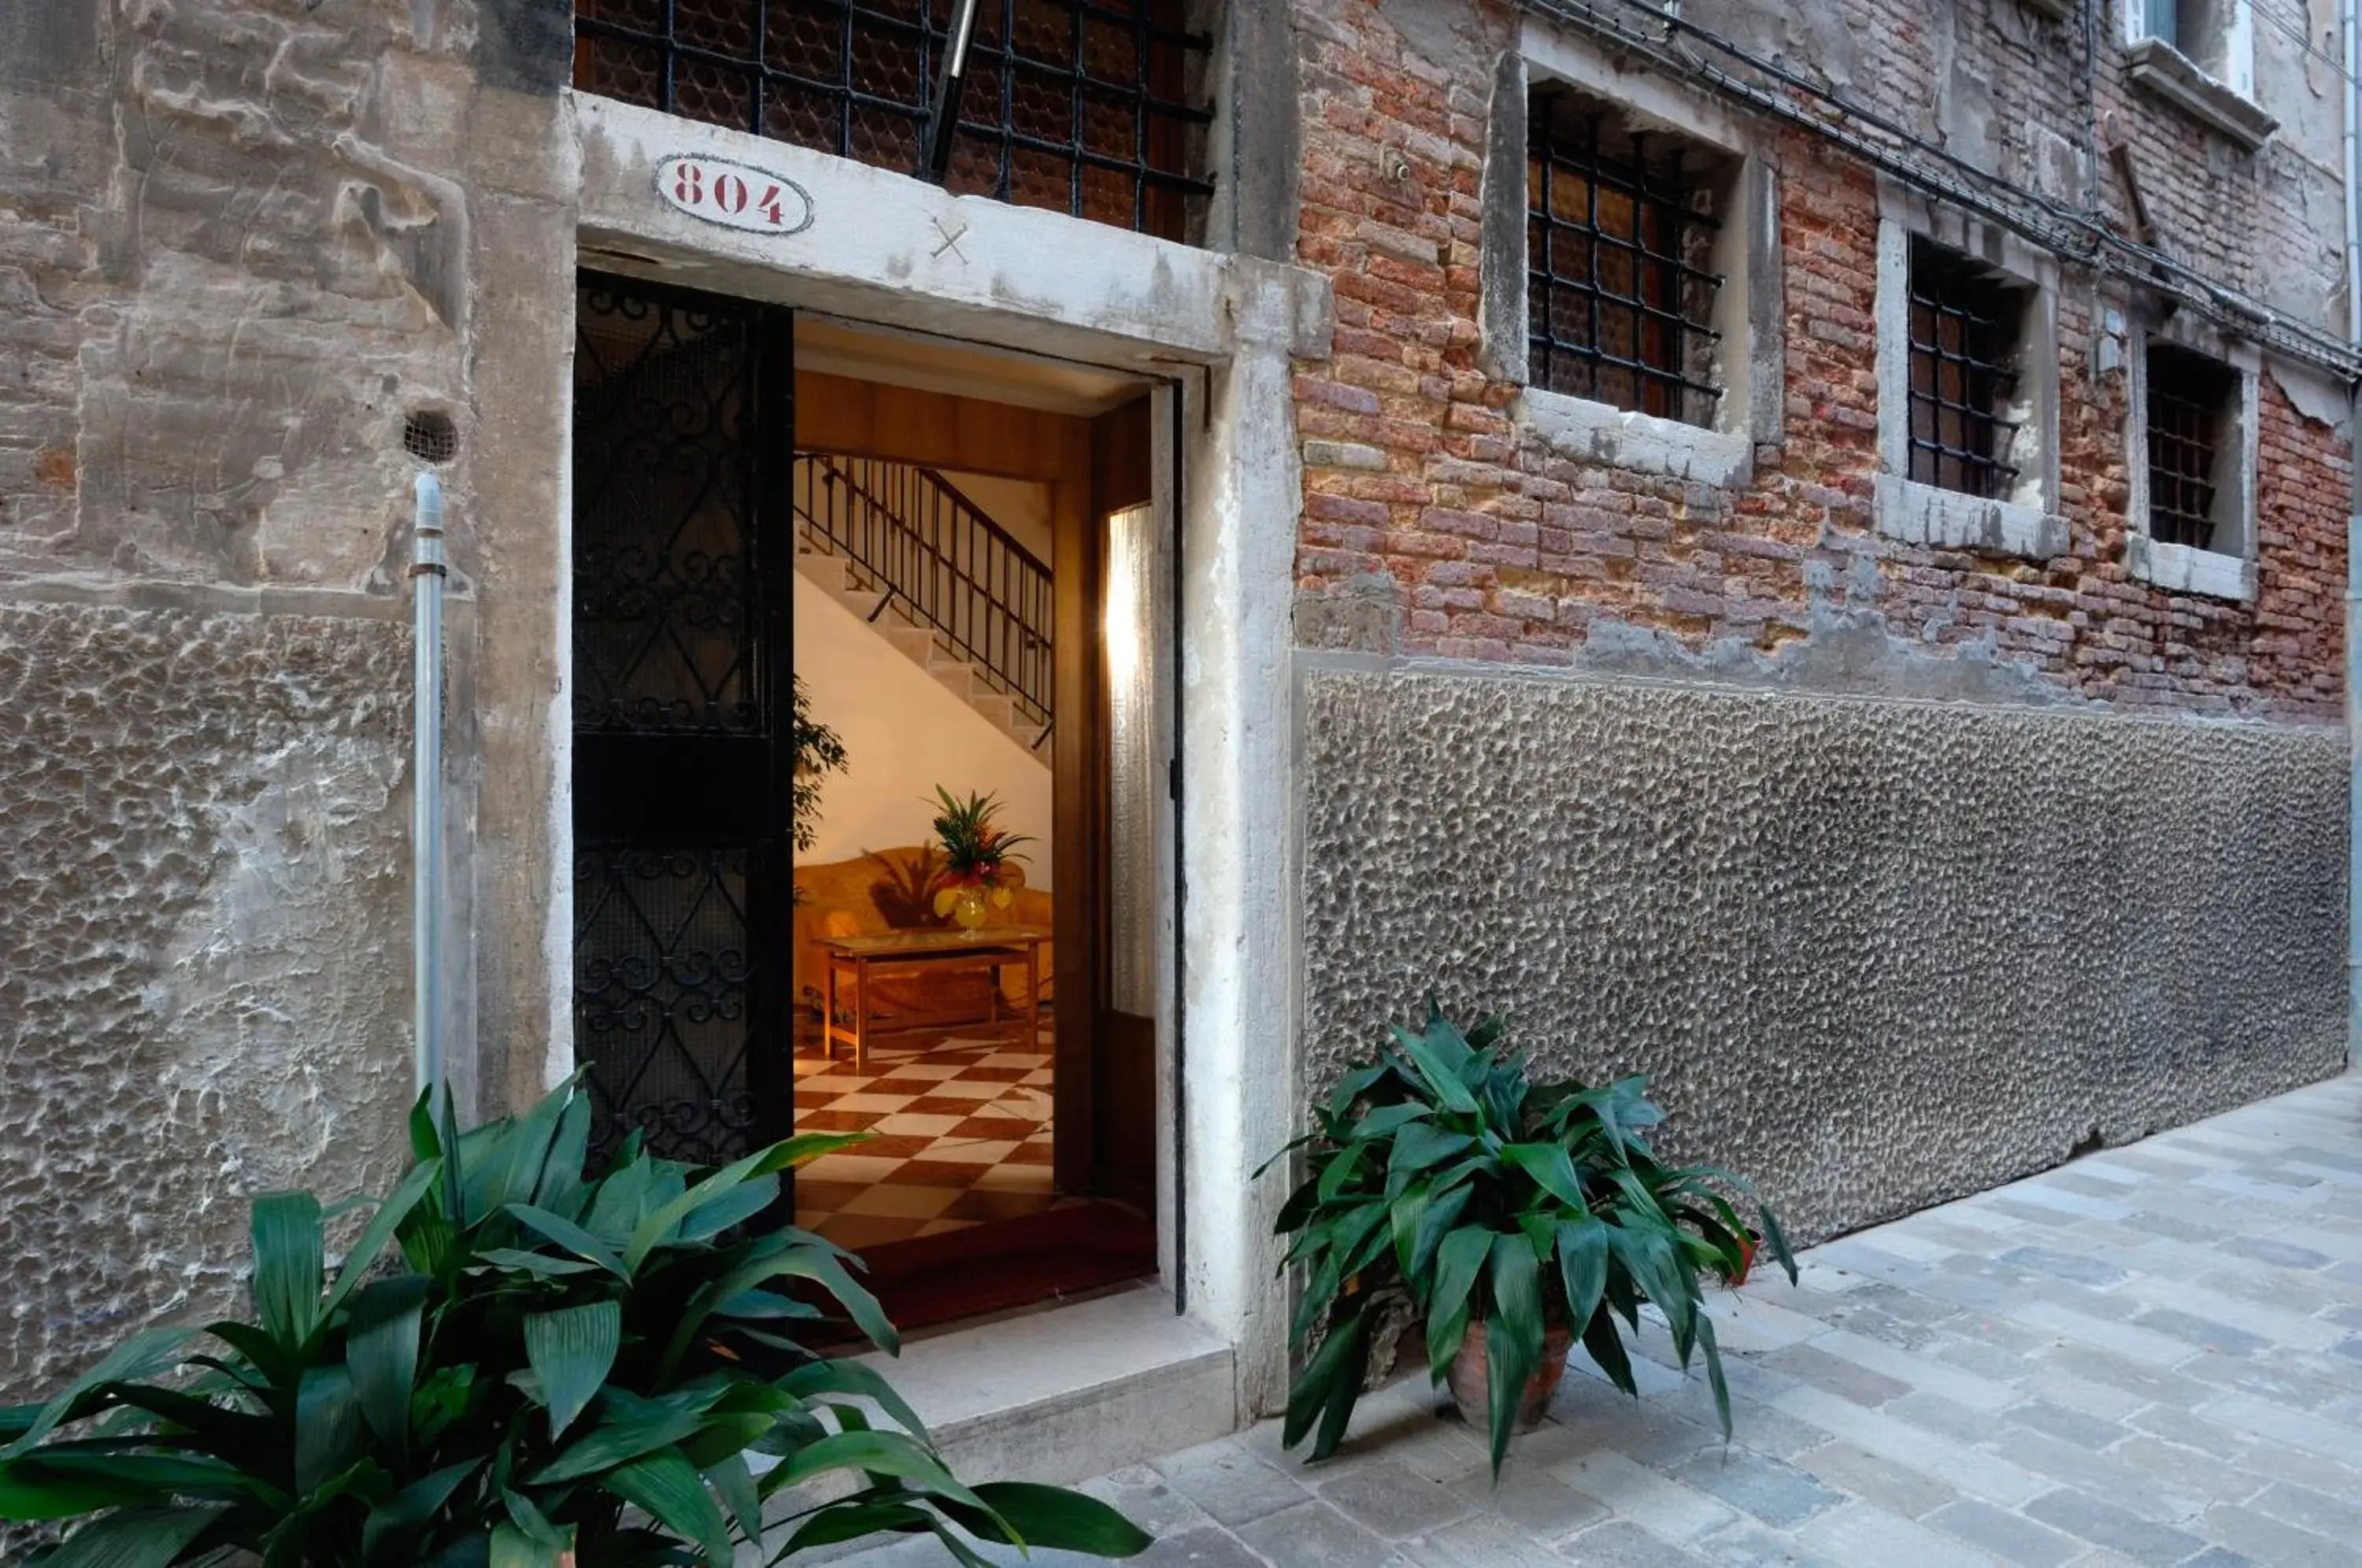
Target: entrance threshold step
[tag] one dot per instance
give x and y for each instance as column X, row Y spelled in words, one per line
column 1071, row 1392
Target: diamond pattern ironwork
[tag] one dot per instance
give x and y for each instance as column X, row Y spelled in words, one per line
column 665, row 623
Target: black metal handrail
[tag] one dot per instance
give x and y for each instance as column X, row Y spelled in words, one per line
column 960, row 574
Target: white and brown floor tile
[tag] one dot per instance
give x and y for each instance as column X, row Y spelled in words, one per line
column 959, row 1134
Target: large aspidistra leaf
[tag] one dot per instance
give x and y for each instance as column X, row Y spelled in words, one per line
column 1438, row 1058
column 571, row 1350
column 132, row 1537
column 669, row 1489
column 1513, row 1335
column 142, row 1355
column 290, row 1266
column 1582, row 1246
column 1458, row 1260
column 381, row 1352
column 327, row 1425
column 1053, row 1519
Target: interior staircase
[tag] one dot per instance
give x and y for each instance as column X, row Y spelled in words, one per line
column 930, row 572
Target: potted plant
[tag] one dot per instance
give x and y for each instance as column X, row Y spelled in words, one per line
column 1513, row 1217
column 974, row 852
column 543, row 1348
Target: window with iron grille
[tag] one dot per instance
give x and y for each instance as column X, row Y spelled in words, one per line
column 1092, row 107
column 1964, row 327
column 2193, row 404
column 1619, row 240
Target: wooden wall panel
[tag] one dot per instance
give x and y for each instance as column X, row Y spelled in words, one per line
column 938, row 430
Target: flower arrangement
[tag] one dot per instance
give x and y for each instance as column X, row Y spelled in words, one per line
column 974, row 852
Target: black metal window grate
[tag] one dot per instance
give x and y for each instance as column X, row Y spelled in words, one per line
column 1964, row 329
column 2189, row 397
column 1619, row 232
column 1092, row 107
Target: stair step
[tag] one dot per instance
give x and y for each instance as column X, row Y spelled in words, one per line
column 859, row 591
column 913, row 642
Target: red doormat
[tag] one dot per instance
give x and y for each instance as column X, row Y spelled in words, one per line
column 1008, row 1264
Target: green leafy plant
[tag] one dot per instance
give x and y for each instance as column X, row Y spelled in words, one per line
column 974, row 850
column 1440, row 1174
column 519, row 1362
column 814, row 752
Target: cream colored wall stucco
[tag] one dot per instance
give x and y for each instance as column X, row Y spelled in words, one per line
column 904, row 733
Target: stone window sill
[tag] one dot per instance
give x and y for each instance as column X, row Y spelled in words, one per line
column 1922, row 515
column 2184, row 568
column 1602, row 433
column 2161, row 69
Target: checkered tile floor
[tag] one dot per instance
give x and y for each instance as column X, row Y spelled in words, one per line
column 961, row 1134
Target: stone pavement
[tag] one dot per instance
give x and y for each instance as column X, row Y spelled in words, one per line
column 2150, row 1355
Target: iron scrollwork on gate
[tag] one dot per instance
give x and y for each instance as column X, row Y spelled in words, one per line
column 679, row 669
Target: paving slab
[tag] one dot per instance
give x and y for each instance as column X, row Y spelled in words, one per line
column 2152, row 1357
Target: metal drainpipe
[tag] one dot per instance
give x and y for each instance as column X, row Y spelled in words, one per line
column 2352, row 97
column 428, row 571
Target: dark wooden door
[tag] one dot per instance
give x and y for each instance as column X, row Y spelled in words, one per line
column 682, row 666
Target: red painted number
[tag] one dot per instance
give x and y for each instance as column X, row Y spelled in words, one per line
column 722, row 192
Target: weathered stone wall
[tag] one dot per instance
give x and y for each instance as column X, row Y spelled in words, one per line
column 1437, row 520
column 240, row 242
column 1876, row 954
column 1854, row 844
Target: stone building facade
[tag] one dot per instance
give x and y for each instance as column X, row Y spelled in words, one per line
column 1909, row 838
column 1734, row 754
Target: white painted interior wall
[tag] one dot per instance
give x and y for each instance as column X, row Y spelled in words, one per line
column 1021, row 507
column 904, row 733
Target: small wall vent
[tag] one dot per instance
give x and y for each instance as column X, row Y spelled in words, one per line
column 429, row 436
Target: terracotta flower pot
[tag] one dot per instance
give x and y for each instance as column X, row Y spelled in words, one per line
column 1470, row 1376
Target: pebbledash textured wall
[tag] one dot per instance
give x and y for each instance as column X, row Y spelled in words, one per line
column 206, row 816
column 1903, row 870
column 1876, row 954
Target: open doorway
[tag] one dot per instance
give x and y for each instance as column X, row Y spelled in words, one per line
column 959, row 946
column 941, row 569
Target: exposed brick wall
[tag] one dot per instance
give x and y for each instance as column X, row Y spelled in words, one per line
column 1421, row 488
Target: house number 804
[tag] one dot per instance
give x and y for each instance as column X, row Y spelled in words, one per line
column 735, row 196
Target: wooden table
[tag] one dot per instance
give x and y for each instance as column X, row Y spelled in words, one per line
column 855, row 959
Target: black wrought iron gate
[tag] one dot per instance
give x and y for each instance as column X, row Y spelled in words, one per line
column 683, row 594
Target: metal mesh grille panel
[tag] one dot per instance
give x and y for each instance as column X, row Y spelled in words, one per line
column 1619, row 232
column 1964, row 327
column 2189, row 398
column 1092, row 107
